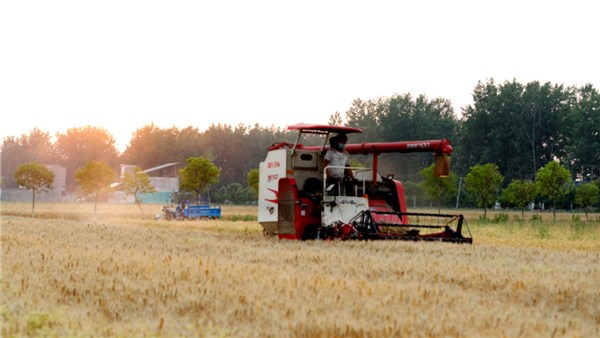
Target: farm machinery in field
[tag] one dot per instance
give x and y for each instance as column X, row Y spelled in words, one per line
column 185, row 211
column 297, row 201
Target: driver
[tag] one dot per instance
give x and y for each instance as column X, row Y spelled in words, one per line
column 337, row 157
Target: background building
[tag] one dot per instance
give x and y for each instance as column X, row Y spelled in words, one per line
column 58, row 193
column 164, row 178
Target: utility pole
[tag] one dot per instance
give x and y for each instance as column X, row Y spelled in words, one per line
column 458, row 192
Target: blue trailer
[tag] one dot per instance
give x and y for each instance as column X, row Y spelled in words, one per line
column 202, row 211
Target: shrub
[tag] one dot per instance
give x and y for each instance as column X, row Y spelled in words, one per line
column 500, row 218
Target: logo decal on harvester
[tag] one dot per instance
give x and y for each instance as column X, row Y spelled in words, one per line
column 346, row 202
column 276, row 200
column 418, row 145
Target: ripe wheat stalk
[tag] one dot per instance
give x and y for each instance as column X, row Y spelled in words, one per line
column 120, row 276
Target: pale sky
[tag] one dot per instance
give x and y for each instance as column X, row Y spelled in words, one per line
column 123, row 64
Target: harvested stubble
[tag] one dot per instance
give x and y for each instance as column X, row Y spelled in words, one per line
column 78, row 278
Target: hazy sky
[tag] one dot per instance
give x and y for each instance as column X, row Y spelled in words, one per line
column 123, row 64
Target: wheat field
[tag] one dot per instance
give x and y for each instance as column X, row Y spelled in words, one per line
column 66, row 273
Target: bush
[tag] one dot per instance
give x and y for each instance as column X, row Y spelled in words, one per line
column 501, row 218
column 536, row 218
column 240, row 217
column 544, row 231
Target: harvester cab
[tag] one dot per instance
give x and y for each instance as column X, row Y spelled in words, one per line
column 297, row 202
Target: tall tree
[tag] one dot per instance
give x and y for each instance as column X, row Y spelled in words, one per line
column 235, row 150
column 12, row 157
column 35, row 146
column 546, row 110
column 230, row 150
column 197, row 175
column 583, row 155
column 484, row 181
column 475, row 143
column 151, row 146
column 189, row 140
column 489, row 133
column 38, row 146
column 80, row 145
column 36, row 177
column 553, row 181
column 518, row 127
column 336, row 119
column 259, row 139
column 365, row 115
column 403, row 118
column 93, row 178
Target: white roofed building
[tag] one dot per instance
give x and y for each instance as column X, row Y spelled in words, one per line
column 164, row 178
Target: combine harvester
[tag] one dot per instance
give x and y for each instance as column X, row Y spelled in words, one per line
column 296, row 201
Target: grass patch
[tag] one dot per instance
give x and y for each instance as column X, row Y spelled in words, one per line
column 543, row 231
column 536, row 218
column 240, row 217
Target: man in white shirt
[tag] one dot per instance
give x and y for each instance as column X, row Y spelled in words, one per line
column 336, row 156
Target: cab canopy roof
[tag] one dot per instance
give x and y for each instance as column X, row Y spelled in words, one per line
column 323, row 128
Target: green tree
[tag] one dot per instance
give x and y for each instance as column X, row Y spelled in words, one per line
column 404, row 118
column 586, row 195
column 252, row 178
column 584, row 157
column 232, row 151
column 437, row 188
column 151, row 146
column 35, row 146
column 235, row 150
column 197, row 175
column 13, row 155
column 484, row 181
column 365, row 115
column 36, row 177
column 233, row 193
column 545, row 122
column 236, row 193
column 520, row 193
column 336, row 119
column 518, row 127
column 93, row 178
column 553, row 181
column 134, row 182
column 78, row 146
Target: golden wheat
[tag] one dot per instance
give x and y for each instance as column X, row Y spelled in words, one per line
column 122, row 276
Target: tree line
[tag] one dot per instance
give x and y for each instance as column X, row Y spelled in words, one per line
column 235, row 150
column 96, row 177
column 484, row 183
column 518, row 127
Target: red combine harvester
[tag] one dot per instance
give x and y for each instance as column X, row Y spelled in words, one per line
column 297, row 202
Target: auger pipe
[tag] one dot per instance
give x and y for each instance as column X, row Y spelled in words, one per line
column 442, row 146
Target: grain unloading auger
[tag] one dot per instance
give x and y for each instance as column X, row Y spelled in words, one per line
column 297, row 202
